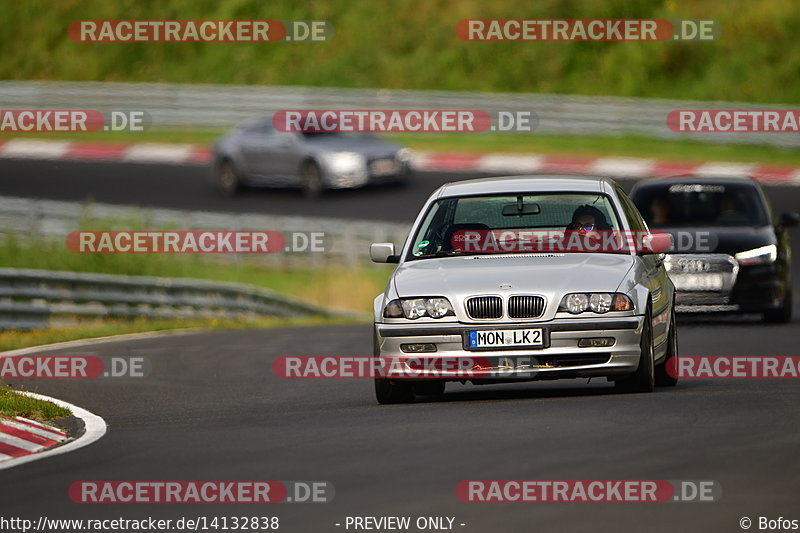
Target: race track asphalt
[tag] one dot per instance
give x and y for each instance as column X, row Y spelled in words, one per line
column 212, row 410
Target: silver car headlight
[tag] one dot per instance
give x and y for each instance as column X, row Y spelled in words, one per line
column 413, row 308
column 596, row 302
column 758, row 256
column 403, row 155
column 347, row 163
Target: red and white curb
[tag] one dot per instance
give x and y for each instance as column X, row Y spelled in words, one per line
column 23, row 440
column 178, row 154
column 617, row 167
column 20, row 436
column 498, row 163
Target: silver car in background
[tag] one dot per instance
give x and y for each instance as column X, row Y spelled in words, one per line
column 257, row 154
column 525, row 315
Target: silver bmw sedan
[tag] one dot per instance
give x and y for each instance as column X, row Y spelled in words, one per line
column 524, row 278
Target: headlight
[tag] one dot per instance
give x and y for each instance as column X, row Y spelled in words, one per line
column 600, row 302
column 758, row 256
column 597, row 302
column 413, row 308
column 346, row 162
column 403, row 155
column 575, row 303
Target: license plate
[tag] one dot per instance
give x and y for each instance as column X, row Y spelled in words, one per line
column 697, row 282
column 506, row 338
column 384, row 167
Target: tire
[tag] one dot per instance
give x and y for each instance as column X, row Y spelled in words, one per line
column 311, row 180
column 782, row 315
column 663, row 379
column 386, row 391
column 643, row 380
column 227, row 178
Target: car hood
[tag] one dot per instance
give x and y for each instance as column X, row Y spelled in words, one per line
column 551, row 275
column 722, row 240
column 367, row 146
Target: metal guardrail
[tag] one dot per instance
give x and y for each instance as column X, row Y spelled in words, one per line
column 225, row 105
column 40, row 298
column 347, row 241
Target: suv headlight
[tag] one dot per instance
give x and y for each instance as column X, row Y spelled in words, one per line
column 413, row 308
column 596, row 302
column 758, row 256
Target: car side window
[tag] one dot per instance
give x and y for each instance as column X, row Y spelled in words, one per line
column 635, row 219
column 261, row 128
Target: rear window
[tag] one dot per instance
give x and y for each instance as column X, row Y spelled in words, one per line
column 700, row 204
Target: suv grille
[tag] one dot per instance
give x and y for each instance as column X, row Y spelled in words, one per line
column 525, row 306
column 485, row 307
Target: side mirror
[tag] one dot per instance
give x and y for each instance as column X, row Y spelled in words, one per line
column 383, row 252
column 790, row 219
column 657, row 243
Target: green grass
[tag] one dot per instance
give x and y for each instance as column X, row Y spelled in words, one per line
column 338, row 287
column 184, row 135
column 409, row 44
column 14, row 404
column 628, row 146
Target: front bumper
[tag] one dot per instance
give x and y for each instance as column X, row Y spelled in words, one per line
column 370, row 175
column 561, row 358
column 757, row 288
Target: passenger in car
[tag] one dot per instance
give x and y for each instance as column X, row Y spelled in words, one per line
column 588, row 218
column 660, row 211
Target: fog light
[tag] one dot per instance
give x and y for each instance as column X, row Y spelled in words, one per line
column 418, row 348
column 596, row 342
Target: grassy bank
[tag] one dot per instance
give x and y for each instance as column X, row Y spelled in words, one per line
column 14, row 404
column 410, row 44
column 332, row 287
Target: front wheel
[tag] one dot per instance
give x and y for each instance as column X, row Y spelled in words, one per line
column 643, row 380
column 782, row 315
column 311, row 177
column 388, row 392
column 227, row 178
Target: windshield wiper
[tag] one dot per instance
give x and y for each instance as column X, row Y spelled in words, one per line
column 442, row 253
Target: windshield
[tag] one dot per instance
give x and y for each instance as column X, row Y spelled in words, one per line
column 701, row 204
column 557, row 212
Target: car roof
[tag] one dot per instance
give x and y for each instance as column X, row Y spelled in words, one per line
column 533, row 183
column 691, row 179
